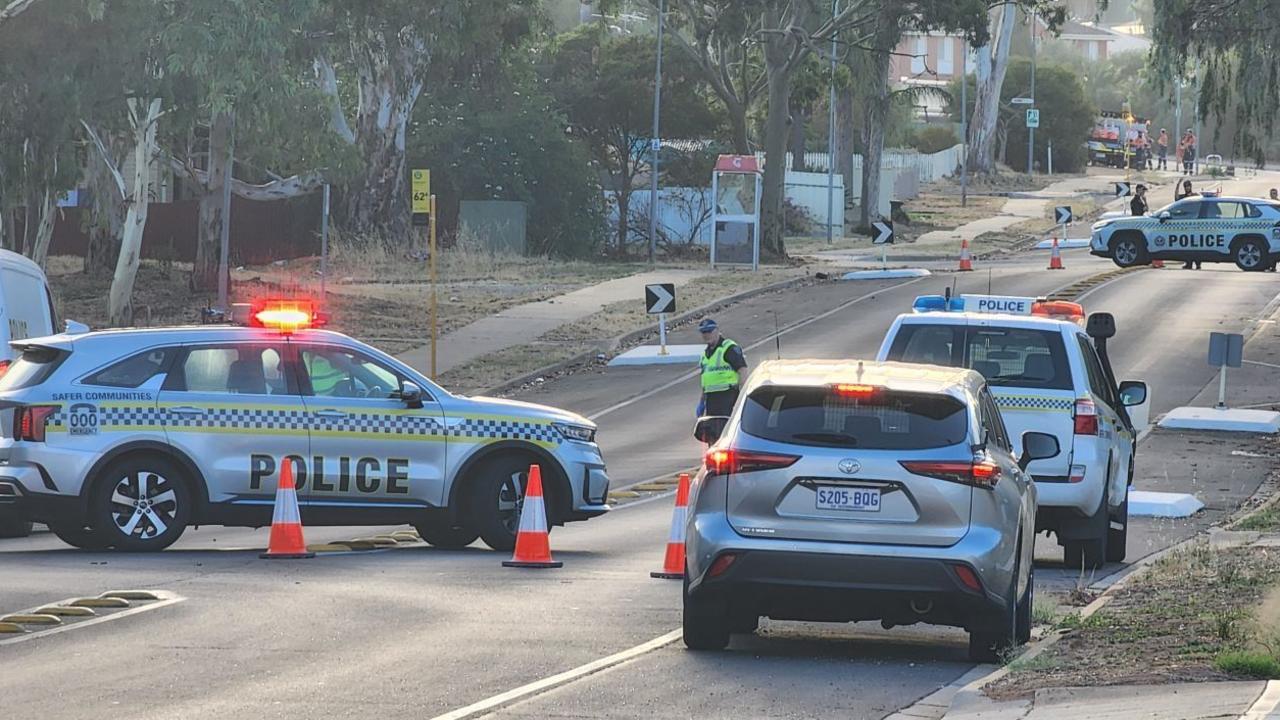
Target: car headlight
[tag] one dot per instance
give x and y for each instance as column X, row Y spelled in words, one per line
column 581, row 433
column 1101, row 224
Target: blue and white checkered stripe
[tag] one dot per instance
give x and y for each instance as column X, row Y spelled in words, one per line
column 280, row 420
column 1033, row 403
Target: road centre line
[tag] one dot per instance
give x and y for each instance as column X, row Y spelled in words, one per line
column 546, row 684
column 759, row 343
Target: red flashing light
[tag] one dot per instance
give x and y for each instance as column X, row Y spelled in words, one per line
column 732, row 461
column 29, row 422
column 4, row 366
column 980, row 474
column 285, row 315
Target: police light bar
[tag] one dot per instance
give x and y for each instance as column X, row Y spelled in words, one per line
column 285, row 315
column 937, row 303
column 1059, row 309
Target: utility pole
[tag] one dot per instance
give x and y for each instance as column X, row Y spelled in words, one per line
column 831, row 138
column 656, row 144
column 964, row 125
column 1031, row 132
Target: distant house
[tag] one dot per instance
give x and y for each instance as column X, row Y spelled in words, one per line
column 1092, row 42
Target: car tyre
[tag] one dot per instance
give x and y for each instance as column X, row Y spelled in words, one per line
column 1250, row 255
column 705, row 623
column 444, row 536
column 743, row 623
column 79, row 536
column 1128, row 250
column 496, row 499
column 1118, row 540
column 140, row 504
column 993, row 644
column 1025, row 607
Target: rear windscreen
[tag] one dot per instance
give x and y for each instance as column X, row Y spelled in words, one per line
column 32, row 368
column 1007, row 357
column 886, row 421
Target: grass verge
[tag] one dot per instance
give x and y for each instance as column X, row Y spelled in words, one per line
column 1197, row 615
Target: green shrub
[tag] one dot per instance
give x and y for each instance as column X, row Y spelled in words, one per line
column 934, row 138
column 1249, row 664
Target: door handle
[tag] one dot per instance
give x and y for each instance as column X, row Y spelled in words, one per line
column 336, row 414
column 186, row 410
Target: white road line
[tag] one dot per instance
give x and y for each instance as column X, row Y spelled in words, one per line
column 550, row 683
column 166, row 599
column 1263, row 364
column 1266, row 702
column 763, row 341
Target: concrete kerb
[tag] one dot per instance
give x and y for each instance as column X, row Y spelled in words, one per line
column 969, row 697
column 635, row 335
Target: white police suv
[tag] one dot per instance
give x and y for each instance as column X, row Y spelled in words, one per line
column 1047, row 374
column 123, row 438
column 1209, row 228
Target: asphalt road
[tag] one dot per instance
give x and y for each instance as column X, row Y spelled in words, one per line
column 417, row 632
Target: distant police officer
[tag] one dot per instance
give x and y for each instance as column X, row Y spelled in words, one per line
column 1138, row 206
column 724, row 370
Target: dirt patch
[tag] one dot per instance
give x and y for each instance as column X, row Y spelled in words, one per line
column 1169, row 625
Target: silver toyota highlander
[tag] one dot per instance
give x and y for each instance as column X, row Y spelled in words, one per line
column 844, row 491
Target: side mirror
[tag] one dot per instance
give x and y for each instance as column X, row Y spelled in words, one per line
column 710, row 428
column 411, row 394
column 1165, row 215
column 1133, row 393
column 1101, row 325
column 1037, row 446
column 75, row 328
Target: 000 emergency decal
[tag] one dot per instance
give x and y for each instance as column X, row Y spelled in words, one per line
column 82, row 419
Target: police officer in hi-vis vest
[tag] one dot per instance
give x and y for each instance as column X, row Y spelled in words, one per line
column 724, row 371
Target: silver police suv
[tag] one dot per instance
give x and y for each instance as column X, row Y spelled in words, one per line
column 124, row 438
column 845, row 491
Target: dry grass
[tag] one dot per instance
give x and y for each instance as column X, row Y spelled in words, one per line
column 1170, row 625
column 478, row 375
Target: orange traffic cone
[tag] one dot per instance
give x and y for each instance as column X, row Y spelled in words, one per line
column 1055, row 257
column 966, row 263
column 286, row 522
column 673, row 566
column 533, row 549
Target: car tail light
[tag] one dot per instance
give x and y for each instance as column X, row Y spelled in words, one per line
column 1077, row 474
column 29, row 421
column 1086, row 417
column 732, row 461
column 978, row 473
column 857, row 391
column 721, row 565
column 4, row 366
column 968, row 577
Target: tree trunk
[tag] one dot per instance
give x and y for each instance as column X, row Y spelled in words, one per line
column 876, row 112
column 623, row 195
column 204, row 274
column 775, row 149
column 738, row 128
column 120, row 297
column 993, row 61
column 799, row 145
column 390, row 75
column 107, row 214
column 44, row 228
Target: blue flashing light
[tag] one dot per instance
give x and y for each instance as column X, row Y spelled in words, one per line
column 937, row 303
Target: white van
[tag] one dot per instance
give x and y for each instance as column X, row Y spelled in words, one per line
column 26, row 310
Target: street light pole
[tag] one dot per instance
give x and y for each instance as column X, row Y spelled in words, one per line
column 831, row 138
column 1031, row 132
column 656, row 144
column 964, row 125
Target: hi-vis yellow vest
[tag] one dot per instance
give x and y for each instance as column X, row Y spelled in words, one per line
column 717, row 375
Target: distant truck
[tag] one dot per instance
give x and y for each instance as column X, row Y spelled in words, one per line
column 1111, row 132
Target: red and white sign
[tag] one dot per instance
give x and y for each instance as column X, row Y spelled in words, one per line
column 745, row 164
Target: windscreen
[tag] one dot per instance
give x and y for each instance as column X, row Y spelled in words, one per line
column 886, row 420
column 1007, row 357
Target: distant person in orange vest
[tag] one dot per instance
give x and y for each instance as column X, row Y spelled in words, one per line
column 1162, row 150
column 1188, row 152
